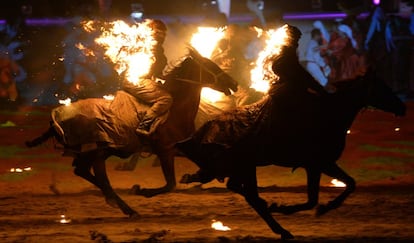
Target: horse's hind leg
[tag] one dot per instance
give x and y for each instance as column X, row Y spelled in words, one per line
column 247, row 187
column 313, row 182
column 103, row 183
column 333, row 170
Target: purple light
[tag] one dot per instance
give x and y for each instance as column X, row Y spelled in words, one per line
column 376, row 2
column 300, row 16
column 192, row 19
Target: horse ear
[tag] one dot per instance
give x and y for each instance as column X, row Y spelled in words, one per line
column 193, row 52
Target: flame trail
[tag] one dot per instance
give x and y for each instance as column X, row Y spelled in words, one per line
column 206, row 39
column 129, row 47
column 262, row 75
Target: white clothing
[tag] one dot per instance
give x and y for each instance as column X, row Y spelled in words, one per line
column 315, row 63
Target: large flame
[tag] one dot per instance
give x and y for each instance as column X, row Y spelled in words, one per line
column 205, row 41
column 262, row 75
column 129, row 46
column 206, row 38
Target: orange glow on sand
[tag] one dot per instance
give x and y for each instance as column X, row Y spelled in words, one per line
column 217, row 225
column 337, row 183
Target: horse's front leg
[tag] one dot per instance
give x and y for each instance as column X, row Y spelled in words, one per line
column 103, row 183
column 247, row 187
column 166, row 156
column 313, row 182
column 333, row 170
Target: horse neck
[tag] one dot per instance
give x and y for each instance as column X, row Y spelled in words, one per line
column 348, row 104
column 186, row 99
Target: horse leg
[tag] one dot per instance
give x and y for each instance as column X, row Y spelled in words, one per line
column 247, row 187
column 102, row 181
column 333, row 170
column 167, row 165
column 200, row 176
column 313, row 181
column 130, row 164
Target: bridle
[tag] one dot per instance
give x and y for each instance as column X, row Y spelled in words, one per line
column 200, row 76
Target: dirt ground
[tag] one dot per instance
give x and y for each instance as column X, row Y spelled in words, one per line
column 379, row 155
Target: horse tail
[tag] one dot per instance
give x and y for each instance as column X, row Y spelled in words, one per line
column 42, row 138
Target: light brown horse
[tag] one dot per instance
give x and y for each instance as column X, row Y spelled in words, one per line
column 91, row 130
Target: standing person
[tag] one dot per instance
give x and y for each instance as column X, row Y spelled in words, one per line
column 315, row 64
column 345, row 61
column 149, row 90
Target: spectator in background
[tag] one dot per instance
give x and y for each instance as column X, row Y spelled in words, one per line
column 315, row 64
column 345, row 61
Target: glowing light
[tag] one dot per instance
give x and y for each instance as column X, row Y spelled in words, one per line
column 20, row 170
column 109, row 97
column 205, row 41
column 376, row 2
column 211, row 95
column 397, row 129
column 64, row 220
column 348, row 132
column 66, row 101
column 129, row 47
column 206, row 38
column 217, row 225
column 262, row 75
column 336, row 183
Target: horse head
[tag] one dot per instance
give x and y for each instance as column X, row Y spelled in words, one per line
column 381, row 96
column 372, row 91
column 198, row 70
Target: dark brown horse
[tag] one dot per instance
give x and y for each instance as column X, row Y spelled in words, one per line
column 312, row 137
column 91, row 130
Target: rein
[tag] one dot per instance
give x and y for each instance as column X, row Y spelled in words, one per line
column 201, row 67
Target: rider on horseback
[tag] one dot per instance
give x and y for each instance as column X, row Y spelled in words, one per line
column 150, row 91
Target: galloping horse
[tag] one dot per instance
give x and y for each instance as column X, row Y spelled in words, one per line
column 288, row 138
column 93, row 129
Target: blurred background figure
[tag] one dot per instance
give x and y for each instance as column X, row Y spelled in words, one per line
column 345, row 62
column 315, row 64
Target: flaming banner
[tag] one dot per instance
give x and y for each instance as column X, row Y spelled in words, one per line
column 262, row 75
column 129, row 47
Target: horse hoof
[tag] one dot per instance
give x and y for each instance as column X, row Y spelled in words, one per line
column 286, row 235
column 321, row 210
column 135, row 190
column 111, row 202
column 274, row 208
column 186, row 179
column 134, row 215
